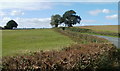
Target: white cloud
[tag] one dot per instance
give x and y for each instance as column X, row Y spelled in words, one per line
column 115, row 16
column 106, row 11
column 4, row 20
column 25, row 5
column 95, row 12
column 16, row 13
column 98, row 11
column 28, row 22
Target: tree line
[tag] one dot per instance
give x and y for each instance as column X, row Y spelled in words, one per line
column 69, row 18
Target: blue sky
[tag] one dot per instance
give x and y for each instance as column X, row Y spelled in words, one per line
column 37, row 14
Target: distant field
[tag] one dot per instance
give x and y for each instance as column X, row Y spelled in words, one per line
column 22, row 41
column 105, row 28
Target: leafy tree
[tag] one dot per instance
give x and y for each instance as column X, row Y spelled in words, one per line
column 70, row 18
column 55, row 20
column 11, row 24
column 1, row 27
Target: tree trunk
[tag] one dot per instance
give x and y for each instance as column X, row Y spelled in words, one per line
column 56, row 25
column 70, row 25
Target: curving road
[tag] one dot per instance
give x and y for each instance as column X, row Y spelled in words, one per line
column 114, row 40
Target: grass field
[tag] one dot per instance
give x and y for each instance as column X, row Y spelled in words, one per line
column 97, row 53
column 105, row 28
column 23, row 41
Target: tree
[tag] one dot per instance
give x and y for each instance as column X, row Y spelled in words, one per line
column 11, row 24
column 1, row 27
column 70, row 18
column 55, row 20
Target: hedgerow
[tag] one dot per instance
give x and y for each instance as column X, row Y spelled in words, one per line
column 82, row 38
column 74, row 58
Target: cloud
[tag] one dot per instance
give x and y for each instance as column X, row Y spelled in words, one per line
column 106, row 11
column 97, row 11
column 25, row 5
column 11, row 13
column 28, row 22
column 115, row 16
column 4, row 20
column 16, row 13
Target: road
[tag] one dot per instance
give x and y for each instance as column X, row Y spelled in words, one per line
column 114, row 40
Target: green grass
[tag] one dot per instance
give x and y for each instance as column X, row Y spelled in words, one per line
column 22, row 41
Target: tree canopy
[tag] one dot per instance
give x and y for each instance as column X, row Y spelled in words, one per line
column 11, row 24
column 55, row 20
column 69, row 18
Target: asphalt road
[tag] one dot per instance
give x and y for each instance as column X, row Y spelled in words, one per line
column 114, row 40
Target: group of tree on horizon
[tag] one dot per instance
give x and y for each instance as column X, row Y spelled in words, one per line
column 69, row 18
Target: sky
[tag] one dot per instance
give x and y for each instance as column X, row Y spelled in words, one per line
column 37, row 13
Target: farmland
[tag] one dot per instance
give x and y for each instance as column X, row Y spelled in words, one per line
column 87, row 53
column 24, row 41
column 105, row 28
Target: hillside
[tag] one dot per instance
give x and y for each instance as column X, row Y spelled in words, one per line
column 103, row 28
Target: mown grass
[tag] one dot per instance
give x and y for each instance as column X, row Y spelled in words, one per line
column 22, row 41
